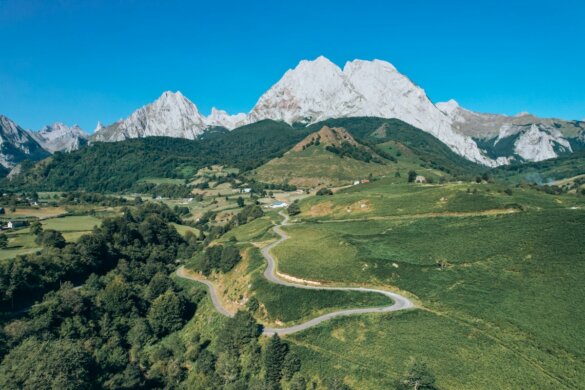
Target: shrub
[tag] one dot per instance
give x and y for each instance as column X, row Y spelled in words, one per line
column 324, row 191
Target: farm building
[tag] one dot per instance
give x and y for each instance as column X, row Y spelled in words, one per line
column 16, row 224
column 278, row 205
column 420, row 179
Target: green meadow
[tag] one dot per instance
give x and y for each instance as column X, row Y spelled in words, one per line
column 72, row 227
column 499, row 293
column 391, row 198
column 290, row 305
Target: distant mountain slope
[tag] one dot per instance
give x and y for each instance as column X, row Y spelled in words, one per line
column 523, row 137
column 543, row 172
column 319, row 90
column 16, row 145
column 117, row 166
column 60, row 138
column 171, row 115
column 330, row 156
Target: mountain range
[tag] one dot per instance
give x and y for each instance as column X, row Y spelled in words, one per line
column 18, row 144
column 318, row 90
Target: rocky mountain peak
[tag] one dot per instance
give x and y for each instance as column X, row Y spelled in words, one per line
column 326, row 136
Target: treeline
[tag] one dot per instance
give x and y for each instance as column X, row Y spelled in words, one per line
column 93, row 198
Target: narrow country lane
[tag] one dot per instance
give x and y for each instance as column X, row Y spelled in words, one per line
column 400, row 302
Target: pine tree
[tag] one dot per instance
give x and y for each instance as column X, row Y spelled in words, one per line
column 274, row 358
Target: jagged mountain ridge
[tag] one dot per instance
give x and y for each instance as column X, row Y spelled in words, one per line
column 59, row 137
column 328, row 136
column 318, row 90
column 523, row 137
column 16, row 144
column 171, row 115
column 311, row 92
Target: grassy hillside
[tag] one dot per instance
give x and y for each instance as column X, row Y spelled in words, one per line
column 328, row 157
column 423, row 148
column 485, row 277
column 402, row 148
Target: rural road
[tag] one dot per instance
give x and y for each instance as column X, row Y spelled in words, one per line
column 400, row 302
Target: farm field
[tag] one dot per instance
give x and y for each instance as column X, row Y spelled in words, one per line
column 41, row 212
column 497, row 291
column 72, row 227
column 72, row 223
column 183, row 229
column 389, row 198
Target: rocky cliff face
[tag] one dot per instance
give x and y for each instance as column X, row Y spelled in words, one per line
column 60, row 138
column 318, row 90
column 520, row 137
column 16, row 144
column 171, row 115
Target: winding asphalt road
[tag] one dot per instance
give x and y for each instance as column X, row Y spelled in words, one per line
column 400, row 302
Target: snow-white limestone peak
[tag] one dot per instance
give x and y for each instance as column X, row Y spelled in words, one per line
column 540, row 143
column 223, row 119
column 313, row 91
column 98, row 127
column 16, row 144
column 171, row 115
column 318, row 90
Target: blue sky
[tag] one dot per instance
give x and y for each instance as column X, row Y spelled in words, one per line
column 89, row 60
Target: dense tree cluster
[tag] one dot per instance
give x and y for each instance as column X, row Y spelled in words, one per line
column 412, row 176
column 164, row 190
column 294, row 209
column 77, row 197
column 348, row 150
column 98, row 335
column 240, row 362
column 139, row 235
column 221, row 258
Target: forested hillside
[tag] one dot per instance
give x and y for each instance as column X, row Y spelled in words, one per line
column 119, row 165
